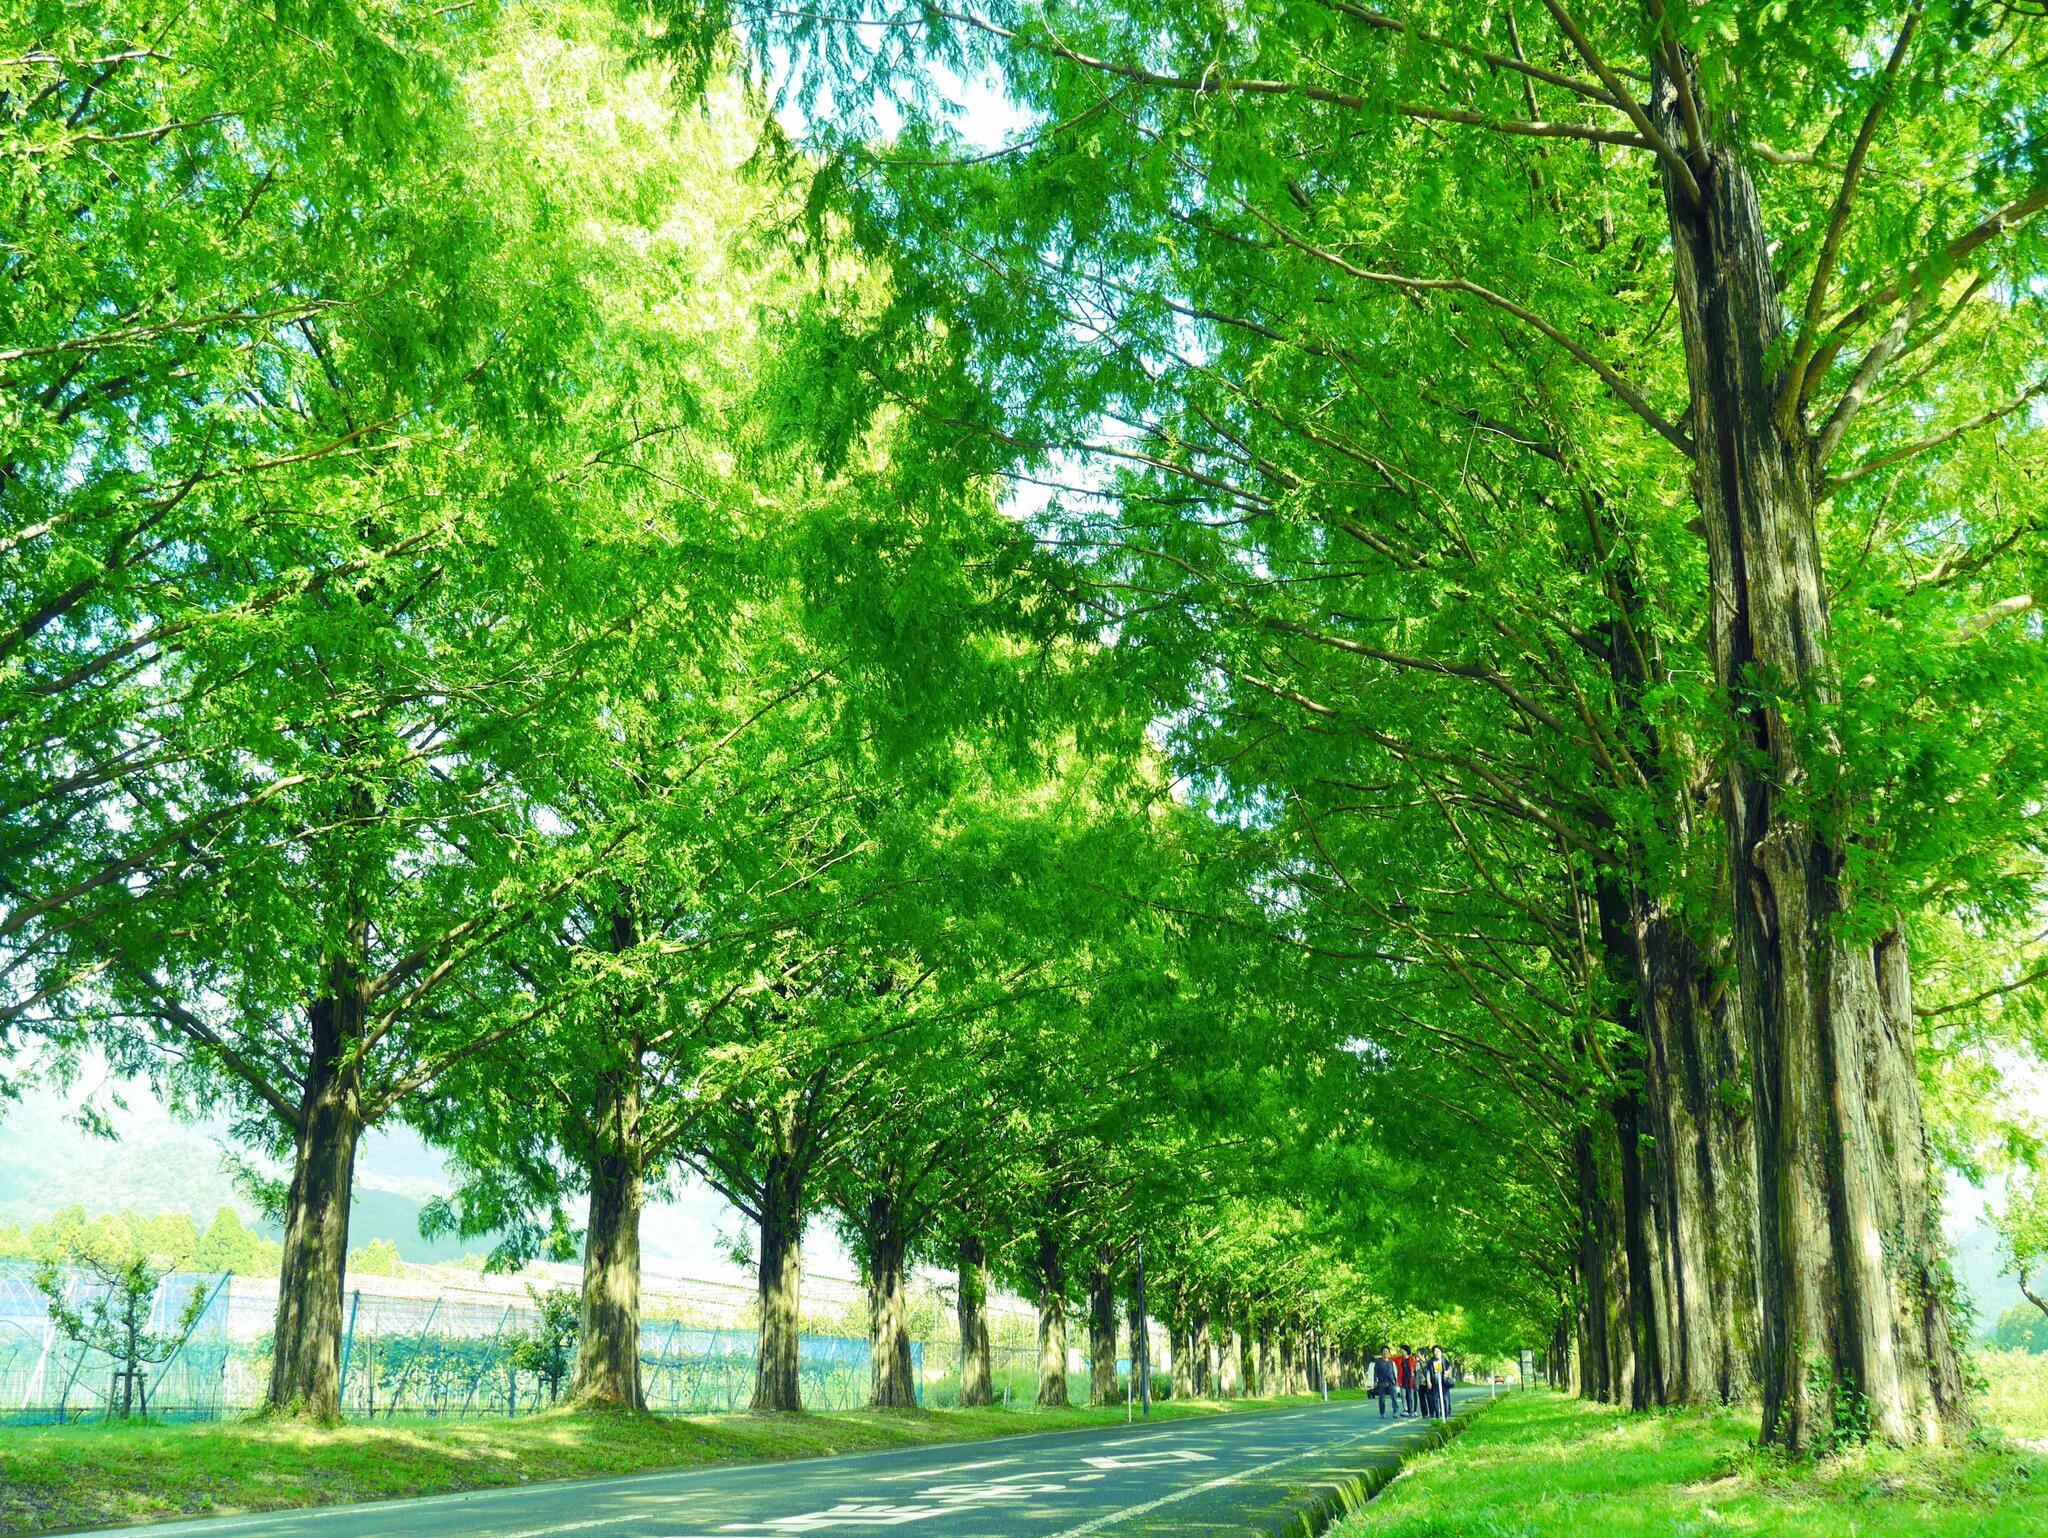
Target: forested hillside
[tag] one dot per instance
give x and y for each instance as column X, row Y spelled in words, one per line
column 1382, row 677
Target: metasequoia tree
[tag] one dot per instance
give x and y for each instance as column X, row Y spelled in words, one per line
column 1815, row 238
column 355, row 800
column 240, row 377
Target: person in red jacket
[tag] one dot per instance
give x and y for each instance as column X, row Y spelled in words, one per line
column 1404, row 1364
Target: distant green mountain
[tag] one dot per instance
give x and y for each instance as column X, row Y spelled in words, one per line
column 1977, row 1264
column 161, row 1165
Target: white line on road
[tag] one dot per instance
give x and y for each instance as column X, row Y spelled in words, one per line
column 944, row 1468
column 1114, row 1517
column 570, row 1527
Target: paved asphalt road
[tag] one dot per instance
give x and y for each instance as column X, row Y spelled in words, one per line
column 1185, row 1476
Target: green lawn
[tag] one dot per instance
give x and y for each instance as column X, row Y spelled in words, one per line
column 1543, row 1466
column 99, row 1475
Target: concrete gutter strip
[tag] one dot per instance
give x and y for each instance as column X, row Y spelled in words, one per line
column 1336, row 1490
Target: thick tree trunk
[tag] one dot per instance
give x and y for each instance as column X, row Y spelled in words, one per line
column 1178, row 1344
column 1140, row 1337
column 781, row 1286
column 1834, row 1084
column 608, row 1341
column 1102, row 1387
column 1599, row 1378
column 1563, row 1364
column 1655, row 1237
column 1201, row 1349
column 1705, row 1167
column 891, row 1375
column 305, row 1367
column 1052, row 1325
column 608, row 1337
column 1909, row 1208
column 977, row 1382
column 1701, row 1202
column 1642, row 1318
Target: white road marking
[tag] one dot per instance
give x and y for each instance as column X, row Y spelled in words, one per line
column 1114, row 1517
column 570, row 1527
column 991, row 1491
column 1149, row 1460
column 948, row 1468
column 845, row 1514
column 689, row 1480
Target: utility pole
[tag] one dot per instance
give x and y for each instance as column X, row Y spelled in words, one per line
column 1141, row 1347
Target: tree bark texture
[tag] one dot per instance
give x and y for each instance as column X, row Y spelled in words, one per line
column 1102, row 1387
column 1854, row 1334
column 1698, row 1161
column 1052, row 1324
column 608, row 1339
column 1182, row 1351
column 776, row 1384
column 305, row 1367
column 977, row 1382
column 892, row 1375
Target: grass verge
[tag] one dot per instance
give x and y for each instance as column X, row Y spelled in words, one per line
column 58, row 1477
column 1540, row 1465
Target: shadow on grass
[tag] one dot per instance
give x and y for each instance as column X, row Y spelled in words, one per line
column 107, row 1475
column 1545, row 1466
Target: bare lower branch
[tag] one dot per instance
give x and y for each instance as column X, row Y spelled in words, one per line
column 1626, row 392
column 1874, row 363
column 1941, row 439
column 1516, row 63
column 2007, row 218
column 1681, row 172
column 2025, row 980
column 1838, row 216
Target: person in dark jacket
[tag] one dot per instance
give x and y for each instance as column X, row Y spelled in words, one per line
column 1437, row 1374
column 1385, row 1383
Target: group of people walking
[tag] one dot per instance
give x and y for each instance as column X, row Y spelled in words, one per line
column 1415, row 1385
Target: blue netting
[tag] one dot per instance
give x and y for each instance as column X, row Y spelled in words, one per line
column 45, row 1377
column 449, row 1356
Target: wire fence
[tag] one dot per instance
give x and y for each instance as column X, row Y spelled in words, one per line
column 45, row 1376
column 443, row 1355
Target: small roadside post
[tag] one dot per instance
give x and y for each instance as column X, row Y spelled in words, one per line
column 1322, row 1358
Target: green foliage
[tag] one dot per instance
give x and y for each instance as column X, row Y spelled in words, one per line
column 101, row 1293
column 2022, row 1327
column 1543, row 1465
column 227, row 1246
column 547, row 1349
column 377, row 1258
column 1156, row 684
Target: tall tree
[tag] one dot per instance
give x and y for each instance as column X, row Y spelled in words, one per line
column 1461, row 225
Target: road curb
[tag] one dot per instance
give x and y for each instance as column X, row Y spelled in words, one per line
column 1337, row 1493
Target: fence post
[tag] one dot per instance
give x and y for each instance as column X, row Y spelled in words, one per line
column 497, row 1339
column 164, row 1372
column 348, row 1340
column 418, row 1346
